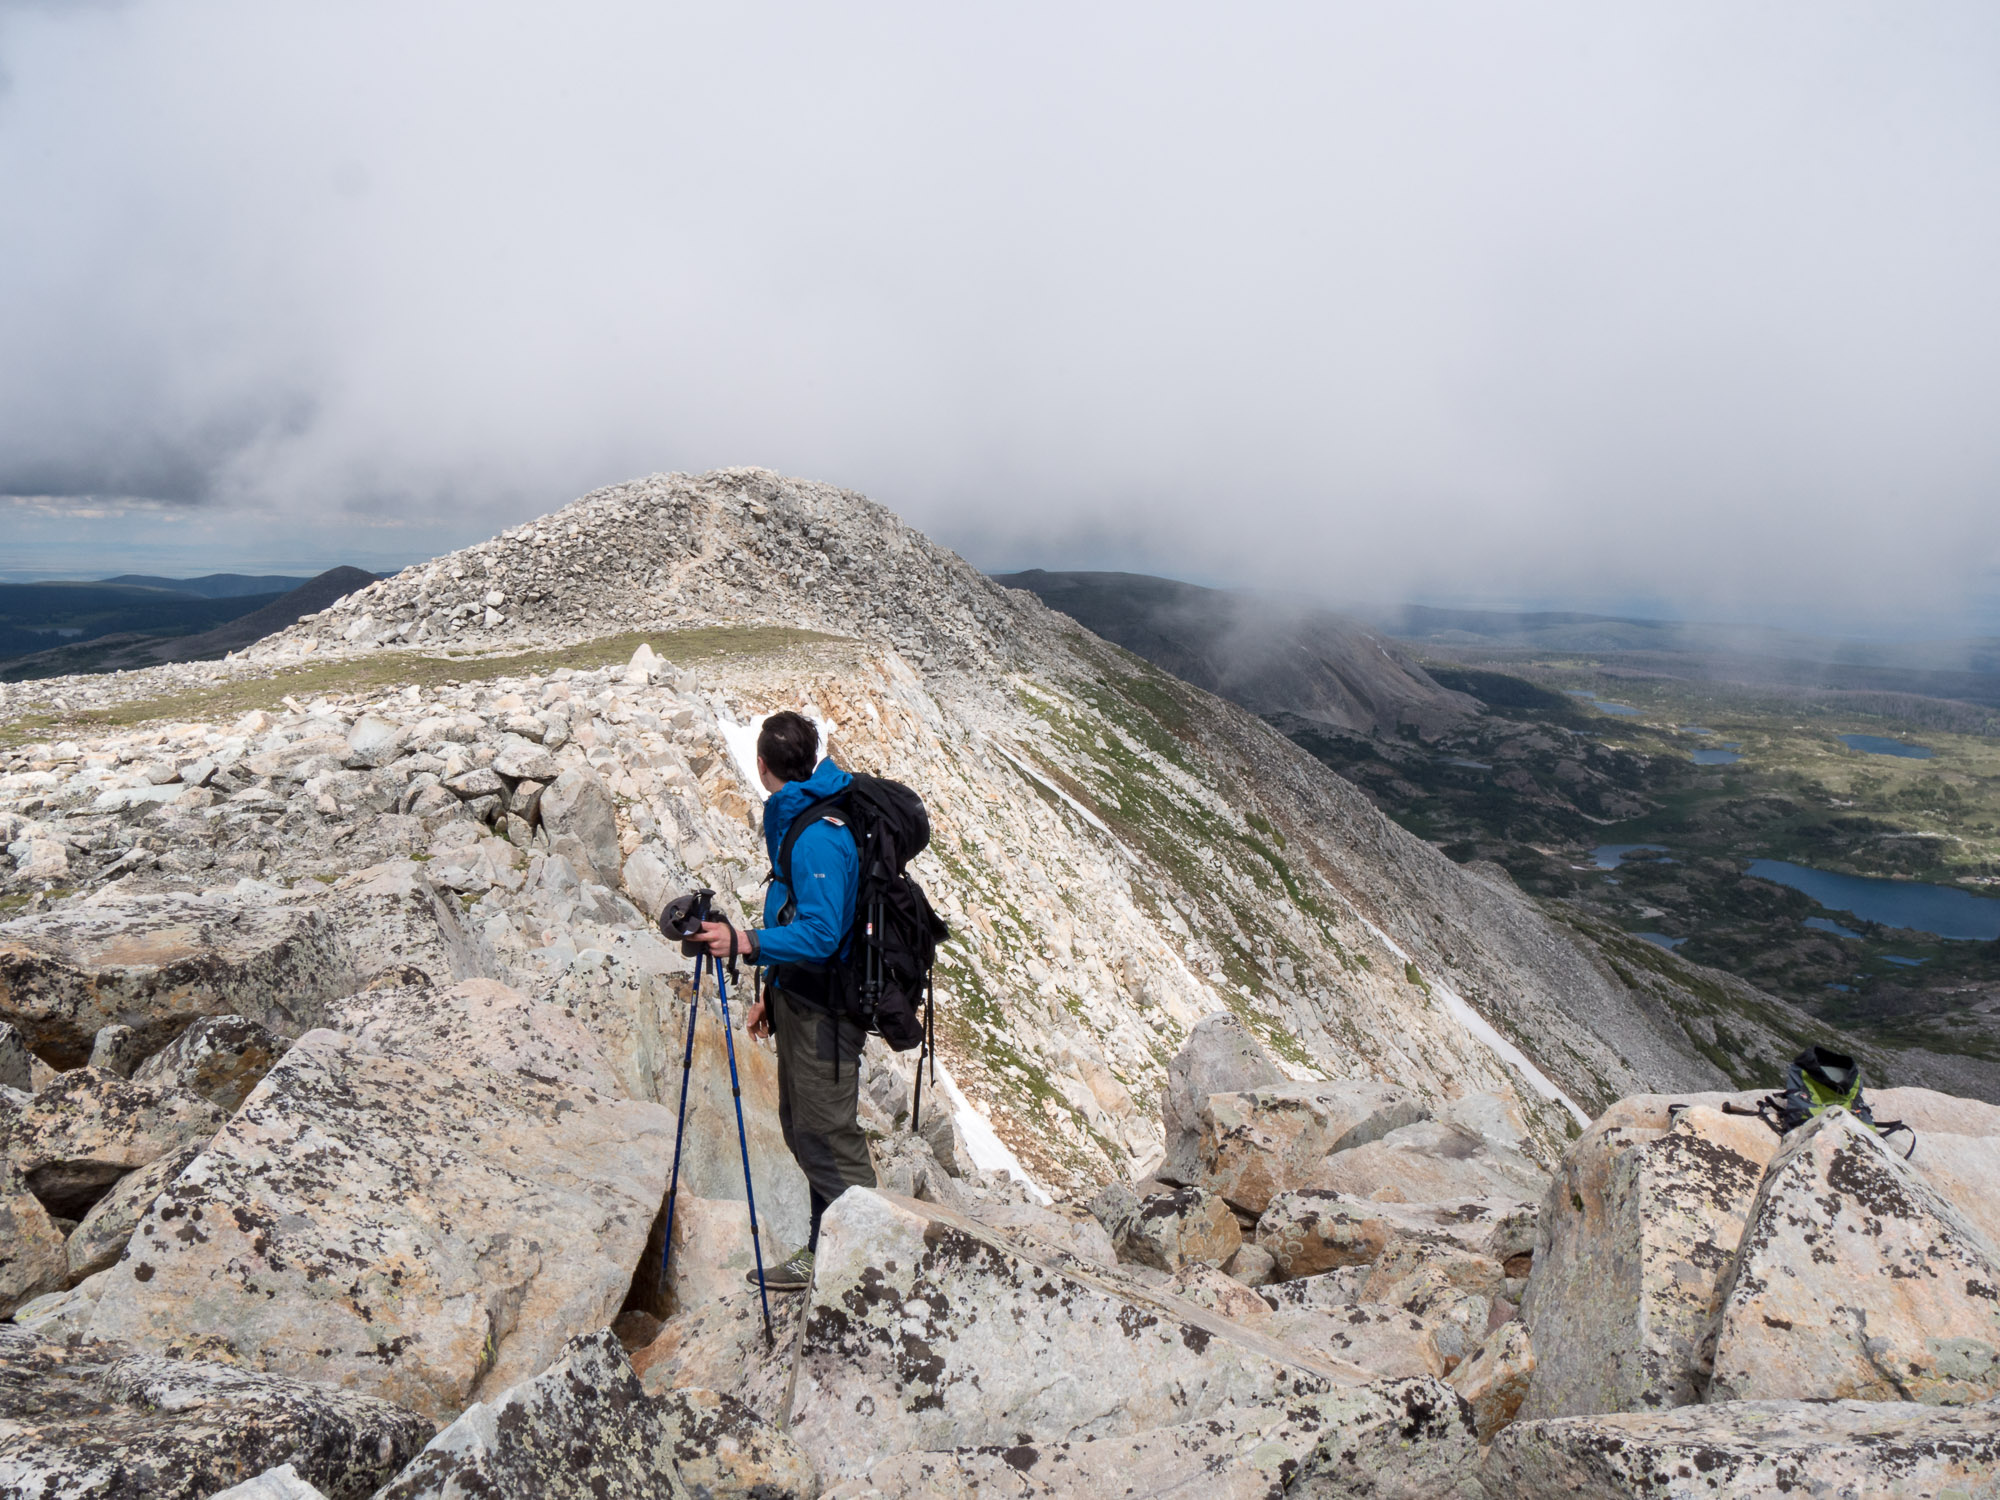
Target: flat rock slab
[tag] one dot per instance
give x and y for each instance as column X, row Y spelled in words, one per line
column 392, row 920
column 73, row 1423
column 479, row 1023
column 1431, row 1162
column 1269, row 1140
column 1856, row 1278
column 1311, row 1230
column 1397, row 1440
column 155, row 963
column 1749, row 1450
column 581, row 1430
column 87, row 1129
column 928, row 1331
column 1637, row 1235
column 422, row 1233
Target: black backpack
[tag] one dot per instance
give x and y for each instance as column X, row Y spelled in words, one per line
column 893, row 943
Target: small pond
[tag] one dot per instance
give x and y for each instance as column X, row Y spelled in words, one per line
column 1622, row 710
column 1875, row 744
column 1607, row 856
column 1937, row 909
column 1661, row 940
column 1726, row 756
column 1827, row 924
column 1903, row 963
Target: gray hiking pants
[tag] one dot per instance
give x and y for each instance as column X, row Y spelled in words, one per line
column 819, row 1092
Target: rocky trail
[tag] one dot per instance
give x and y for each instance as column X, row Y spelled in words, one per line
column 1271, row 1152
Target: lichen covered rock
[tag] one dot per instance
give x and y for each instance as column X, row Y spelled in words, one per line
column 156, row 963
column 583, row 1429
column 423, row 1233
column 220, row 1058
column 1220, row 1056
column 1396, row 1440
column 927, row 1332
column 1855, row 1278
column 1748, row 1450
column 1170, row 1227
column 1270, row 1140
column 87, row 1129
column 142, row 1428
column 1637, row 1233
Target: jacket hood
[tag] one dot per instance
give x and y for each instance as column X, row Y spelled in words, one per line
column 794, row 797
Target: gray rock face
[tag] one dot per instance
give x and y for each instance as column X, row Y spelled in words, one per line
column 61, row 1315
column 422, row 1232
column 1747, row 1450
column 940, row 1334
column 479, row 1024
column 87, row 1129
column 95, row 1244
column 1271, row 1140
column 1220, row 1056
column 220, row 1058
column 1855, row 1278
column 115, row 1050
column 1313, row 1229
column 722, row 1450
column 391, row 919
column 1495, row 1381
column 16, row 1071
column 582, row 822
column 142, row 1428
column 1170, row 1228
column 1638, row 1232
column 581, row 1430
column 1429, row 1162
column 281, row 1483
column 33, row 1261
column 1396, row 1440
column 156, row 963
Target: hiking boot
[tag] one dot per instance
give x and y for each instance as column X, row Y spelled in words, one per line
column 795, row 1275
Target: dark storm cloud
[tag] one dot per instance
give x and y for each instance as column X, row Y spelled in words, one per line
column 1689, row 302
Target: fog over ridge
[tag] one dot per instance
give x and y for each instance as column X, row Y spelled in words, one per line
column 1540, row 302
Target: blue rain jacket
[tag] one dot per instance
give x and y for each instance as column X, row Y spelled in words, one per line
column 826, row 867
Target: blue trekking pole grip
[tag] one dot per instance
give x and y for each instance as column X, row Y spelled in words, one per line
column 743, row 1142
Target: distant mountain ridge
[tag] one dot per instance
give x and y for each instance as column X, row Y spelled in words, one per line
column 129, row 650
column 215, row 585
column 1268, row 654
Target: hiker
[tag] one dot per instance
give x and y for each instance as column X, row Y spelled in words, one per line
column 805, row 931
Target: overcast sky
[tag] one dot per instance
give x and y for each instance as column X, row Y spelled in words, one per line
column 1694, row 305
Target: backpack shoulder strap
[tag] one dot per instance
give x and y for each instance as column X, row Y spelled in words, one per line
column 828, row 809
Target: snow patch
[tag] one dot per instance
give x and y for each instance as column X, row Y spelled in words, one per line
column 989, row 1153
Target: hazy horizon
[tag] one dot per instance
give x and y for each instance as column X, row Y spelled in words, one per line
column 1685, row 313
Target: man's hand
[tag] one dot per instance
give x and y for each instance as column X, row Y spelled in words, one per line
column 716, row 938
column 758, row 1021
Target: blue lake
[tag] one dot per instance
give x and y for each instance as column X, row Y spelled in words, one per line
column 1607, row 856
column 1471, row 765
column 1902, row 962
column 1623, row 710
column 1875, row 744
column 1716, row 757
column 1827, row 924
column 1937, row 909
column 1661, row 940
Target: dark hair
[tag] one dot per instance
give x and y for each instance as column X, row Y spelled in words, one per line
column 789, row 744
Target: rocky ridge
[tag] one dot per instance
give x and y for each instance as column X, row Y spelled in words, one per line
column 338, row 1053
column 1121, row 854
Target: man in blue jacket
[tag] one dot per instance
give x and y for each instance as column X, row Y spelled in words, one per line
column 804, row 934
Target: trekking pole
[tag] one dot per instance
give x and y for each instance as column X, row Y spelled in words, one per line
column 680, row 1130
column 929, row 1048
column 743, row 1141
